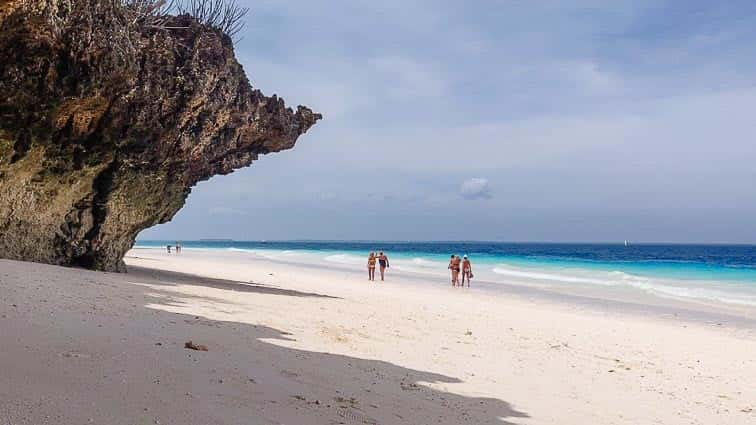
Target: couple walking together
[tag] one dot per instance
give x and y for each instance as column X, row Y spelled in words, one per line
column 383, row 262
column 466, row 268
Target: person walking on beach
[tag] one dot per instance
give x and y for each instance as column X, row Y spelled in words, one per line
column 454, row 267
column 383, row 263
column 371, row 266
column 466, row 270
column 168, row 247
column 178, row 247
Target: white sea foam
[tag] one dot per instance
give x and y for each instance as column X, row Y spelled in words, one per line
column 348, row 259
column 696, row 293
column 268, row 254
column 422, row 262
column 552, row 276
column 667, row 288
column 240, row 250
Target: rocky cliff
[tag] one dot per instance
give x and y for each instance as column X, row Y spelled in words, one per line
column 107, row 121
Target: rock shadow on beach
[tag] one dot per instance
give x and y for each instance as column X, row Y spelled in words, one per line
column 96, row 353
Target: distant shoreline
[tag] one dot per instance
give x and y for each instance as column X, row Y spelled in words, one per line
column 698, row 301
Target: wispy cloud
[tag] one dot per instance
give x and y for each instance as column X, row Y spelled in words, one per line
column 475, row 188
column 588, row 77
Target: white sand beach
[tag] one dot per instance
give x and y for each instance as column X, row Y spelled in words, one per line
column 290, row 344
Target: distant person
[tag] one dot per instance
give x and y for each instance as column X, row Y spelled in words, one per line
column 168, row 247
column 454, row 267
column 178, row 247
column 451, row 262
column 466, row 270
column 383, row 262
column 371, row 266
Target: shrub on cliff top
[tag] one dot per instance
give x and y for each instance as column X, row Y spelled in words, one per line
column 225, row 16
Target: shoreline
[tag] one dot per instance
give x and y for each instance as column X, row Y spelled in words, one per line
column 598, row 299
column 289, row 344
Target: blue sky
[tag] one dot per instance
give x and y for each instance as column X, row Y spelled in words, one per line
column 579, row 120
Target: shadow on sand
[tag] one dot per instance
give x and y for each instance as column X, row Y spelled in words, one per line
column 332, row 388
column 97, row 349
column 167, row 278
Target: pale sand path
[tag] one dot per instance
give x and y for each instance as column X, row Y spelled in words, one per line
column 314, row 346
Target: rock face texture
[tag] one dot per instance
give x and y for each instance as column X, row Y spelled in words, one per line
column 107, row 121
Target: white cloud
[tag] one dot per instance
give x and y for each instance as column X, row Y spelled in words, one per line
column 475, row 188
column 589, row 77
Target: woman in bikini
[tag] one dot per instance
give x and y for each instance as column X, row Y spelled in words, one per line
column 454, row 267
column 466, row 271
column 383, row 263
column 371, row 266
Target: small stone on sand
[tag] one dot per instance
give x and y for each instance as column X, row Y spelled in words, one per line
column 197, row 347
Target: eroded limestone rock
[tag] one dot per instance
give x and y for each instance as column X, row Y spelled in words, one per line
column 107, row 123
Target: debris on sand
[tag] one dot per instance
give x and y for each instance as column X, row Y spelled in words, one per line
column 409, row 387
column 192, row 346
column 75, row 355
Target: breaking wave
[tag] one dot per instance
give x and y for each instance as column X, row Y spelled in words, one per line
column 348, row 259
column 666, row 288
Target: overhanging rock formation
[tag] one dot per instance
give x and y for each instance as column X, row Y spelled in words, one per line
column 106, row 122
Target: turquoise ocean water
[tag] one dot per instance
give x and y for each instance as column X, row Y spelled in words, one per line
column 720, row 273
